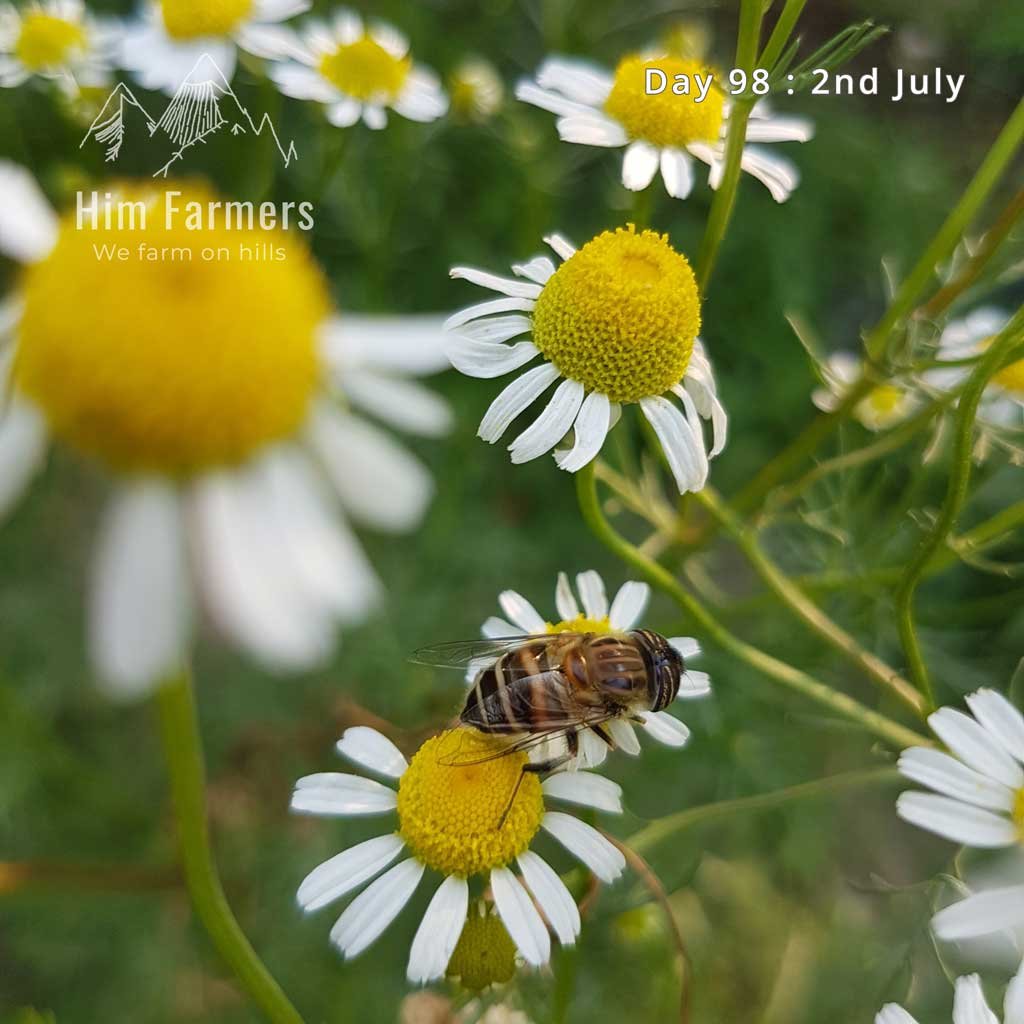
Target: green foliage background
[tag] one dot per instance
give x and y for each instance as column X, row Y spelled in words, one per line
column 799, row 915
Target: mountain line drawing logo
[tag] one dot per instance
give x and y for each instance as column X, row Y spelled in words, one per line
column 202, row 106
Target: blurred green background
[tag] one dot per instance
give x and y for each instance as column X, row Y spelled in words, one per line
column 804, row 913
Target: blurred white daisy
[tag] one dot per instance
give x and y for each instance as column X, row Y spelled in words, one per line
column 1002, row 403
column 661, row 130
column 223, row 396
column 616, row 323
column 476, row 89
column 969, row 1005
column 357, row 71
column 882, row 408
column 53, row 39
column 457, row 821
column 593, row 614
column 170, row 36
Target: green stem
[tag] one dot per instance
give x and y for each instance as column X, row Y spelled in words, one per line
column 781, row 33
column 956, row 494
column 672, row 824
column 179, row 727
column 751, row 12
column 805, row 609
column 658, row 576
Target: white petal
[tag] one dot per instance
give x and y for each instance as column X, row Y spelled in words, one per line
column 521, row 612
column 937, row 770
column 345, row 112
column 590, row 587
column 676, row 172
column 496, row 627
column 958, row 822
column 539, row 269
column 586, row 844
column 973, row 745
column 893, row 1014
column 439, row 931
column 562, row 246
column 1013, row 1005
column 565, row 600
column 403, row 343
column 367, row 916
column 335, row 794
column 685, row 645
column 665, row 728
column 401, row 403
column 514, row 399
column 374, row 117
column 776, row 173
column 422, row 98
column 504, row 285
column 593, row 749
column 22, row 448
column 585, row 788
column 693, row 685
column 591, row 129
column 372, row 750
column 138, row 612
column 346, row 871
column 981, row 914
column 279, row 10
column 302, row 83
column 682, row 450
column 379, row 482
column 590, row 430
column 639, row 165
column 480, row 309
column 272, row 42
column 551, row 425
column 554, row 898
column 579, row 80
column 482, row 359
column 520, row 917
column 495, row 328
column 969, row 1006
column 629, row 604
column 1001, row 719
column 28, row 225
column 780, row 129
column 546, row 99
column 624, row 736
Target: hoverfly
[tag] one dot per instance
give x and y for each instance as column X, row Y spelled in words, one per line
column 535, row 688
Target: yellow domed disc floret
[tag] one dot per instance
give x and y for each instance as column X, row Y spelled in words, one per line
column 366, row 71
column 664, row 118
column 485, row 954
column 449, row 811
column 1017, row 813
column 581, row 624
column 621, row 315
column 172, row 364
column 45, row 41
column 1011, row 378
column 190, row 19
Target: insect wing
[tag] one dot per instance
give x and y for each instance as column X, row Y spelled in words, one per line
column 461, row 653
column 519, row 744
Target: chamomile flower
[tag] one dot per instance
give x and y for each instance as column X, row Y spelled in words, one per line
column 661, row 130
column 882, row 408
column 1002, row 403
column 454, row 819
column 171, row 36
column 616, row 323
column 591, row 613
column 358, row 71
column 53, row 39
column 476, row 90
column 222, row 395
column 969, row 1005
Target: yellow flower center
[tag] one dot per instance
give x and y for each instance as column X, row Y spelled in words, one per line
column 665, row 118
column 620, row 316
column 190, row 19
column 1011, row 378
column 166, row 361
column 581, row 624
column 885, row 399
column 366, row 71
column 1017, row 813
column 449, row 810
column 45, row 41
column 485, row 954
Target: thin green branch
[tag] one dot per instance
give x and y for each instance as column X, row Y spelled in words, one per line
column 184, row 755
column 673, row 824
column 806, row 610
column 779, row 671
column 998, row 353
column 791, row 11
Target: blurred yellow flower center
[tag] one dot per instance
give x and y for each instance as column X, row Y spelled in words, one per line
column 45, row 41
column 1011, row 378
column 665, row 118
column 886, row 398
column 1018, row 813
column 366, row 71
column 190, row 19
column 167, row 361
column 451, row 799
column 485, row 954
column 620, row 316
column 581, row 624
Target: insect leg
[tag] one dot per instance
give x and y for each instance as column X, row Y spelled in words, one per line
column 572, row 742
column 605, row 735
